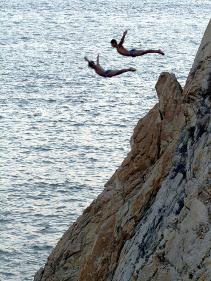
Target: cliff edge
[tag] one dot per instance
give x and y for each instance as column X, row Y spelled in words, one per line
column 153, row 219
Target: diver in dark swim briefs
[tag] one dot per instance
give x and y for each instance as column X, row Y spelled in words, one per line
column 106, row 73
column 131, row 53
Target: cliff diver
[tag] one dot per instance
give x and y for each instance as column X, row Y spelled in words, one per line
column 133, row 52
column 106, row 73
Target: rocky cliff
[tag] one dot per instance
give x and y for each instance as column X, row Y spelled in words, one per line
column 153, row 219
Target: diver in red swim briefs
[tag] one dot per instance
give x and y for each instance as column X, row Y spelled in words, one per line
column 131, row 53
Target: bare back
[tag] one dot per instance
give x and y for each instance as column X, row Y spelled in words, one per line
column 99, row 70
column 122, row 50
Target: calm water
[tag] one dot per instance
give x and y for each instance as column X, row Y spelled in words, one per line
column 64, row 130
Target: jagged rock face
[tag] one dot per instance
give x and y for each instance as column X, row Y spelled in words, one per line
column 152, row 221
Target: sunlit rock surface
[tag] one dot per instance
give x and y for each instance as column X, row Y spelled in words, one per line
column 152, row 221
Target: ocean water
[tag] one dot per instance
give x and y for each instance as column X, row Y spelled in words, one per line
column 64, row 130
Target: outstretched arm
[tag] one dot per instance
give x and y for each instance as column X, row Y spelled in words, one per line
column 86, row 59
column 123, row 38
column 98, row 59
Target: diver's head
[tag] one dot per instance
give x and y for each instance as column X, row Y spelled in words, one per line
column 91, row 64
column 113, row 43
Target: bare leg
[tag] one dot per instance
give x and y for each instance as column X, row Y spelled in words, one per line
column 144, row 52
column 118, row 72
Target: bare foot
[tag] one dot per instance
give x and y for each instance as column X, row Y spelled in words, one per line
column 160, row 52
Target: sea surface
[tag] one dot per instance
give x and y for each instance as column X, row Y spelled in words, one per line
column 64, row 130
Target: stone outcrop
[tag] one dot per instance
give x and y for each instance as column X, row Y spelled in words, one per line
column 153, row 219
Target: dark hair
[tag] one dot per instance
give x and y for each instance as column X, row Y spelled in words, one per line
column 91, row 64
column 113, row 42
